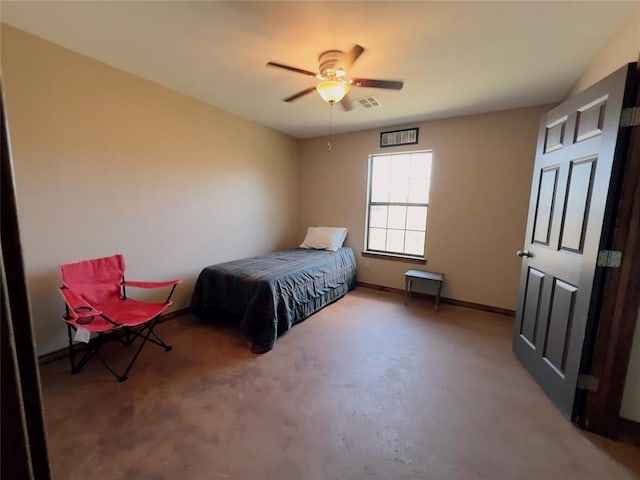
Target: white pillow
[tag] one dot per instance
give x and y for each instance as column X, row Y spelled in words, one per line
column 325, row 238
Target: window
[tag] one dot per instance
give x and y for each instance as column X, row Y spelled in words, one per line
column 397, row 203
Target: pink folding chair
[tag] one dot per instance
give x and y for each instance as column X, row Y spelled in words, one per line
column 96, row 300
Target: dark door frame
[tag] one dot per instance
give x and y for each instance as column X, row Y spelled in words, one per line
column 24, row 444
column 620, row 304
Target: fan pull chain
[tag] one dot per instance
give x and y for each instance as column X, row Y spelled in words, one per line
column 330, row 128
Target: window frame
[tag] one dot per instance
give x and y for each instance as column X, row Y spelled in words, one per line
column 369, row 203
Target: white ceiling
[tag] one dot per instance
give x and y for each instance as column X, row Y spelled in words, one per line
column 455, row 58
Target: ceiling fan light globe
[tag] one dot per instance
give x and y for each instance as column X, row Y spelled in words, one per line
column 332, row 91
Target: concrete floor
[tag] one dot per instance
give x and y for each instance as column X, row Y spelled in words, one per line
column 365, row 389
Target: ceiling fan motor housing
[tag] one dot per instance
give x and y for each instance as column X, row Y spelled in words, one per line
column 329, row 64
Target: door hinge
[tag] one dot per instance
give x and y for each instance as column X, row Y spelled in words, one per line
column 630, row 117
column 588, row 382
column 609, row 258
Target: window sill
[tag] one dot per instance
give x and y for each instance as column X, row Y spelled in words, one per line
column 393, row 256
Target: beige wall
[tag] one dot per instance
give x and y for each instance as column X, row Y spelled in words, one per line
column 106, row 162
column 621, row 48
column 481, row 180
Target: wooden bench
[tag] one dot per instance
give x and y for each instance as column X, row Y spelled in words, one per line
column 412, row 275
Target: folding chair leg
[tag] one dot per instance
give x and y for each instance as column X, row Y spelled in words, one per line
column 92, row 350
column 158, row 341
column 130, row 335
column 71, row 352
column 119, row 378
column 145, row 339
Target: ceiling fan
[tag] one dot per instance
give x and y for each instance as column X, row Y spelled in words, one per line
column 334, row 81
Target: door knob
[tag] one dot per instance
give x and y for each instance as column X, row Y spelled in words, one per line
column 524, row 253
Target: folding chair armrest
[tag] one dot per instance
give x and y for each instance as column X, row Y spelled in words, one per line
column 78, row 307
column 168, row 283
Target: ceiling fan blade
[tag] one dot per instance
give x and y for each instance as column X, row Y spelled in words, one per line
column 367, row 82
column 299, row 94
column 293, row 69
column 346, row 103
column 350, row 58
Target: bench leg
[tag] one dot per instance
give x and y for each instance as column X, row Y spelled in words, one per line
column 438, row 295
column 408, row 286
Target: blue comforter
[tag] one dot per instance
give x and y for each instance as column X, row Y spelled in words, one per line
column 272, row 292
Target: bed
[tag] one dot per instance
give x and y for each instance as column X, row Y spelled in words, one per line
column 272, row 292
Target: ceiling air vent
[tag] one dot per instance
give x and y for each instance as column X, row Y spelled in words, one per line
column 365, row 103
